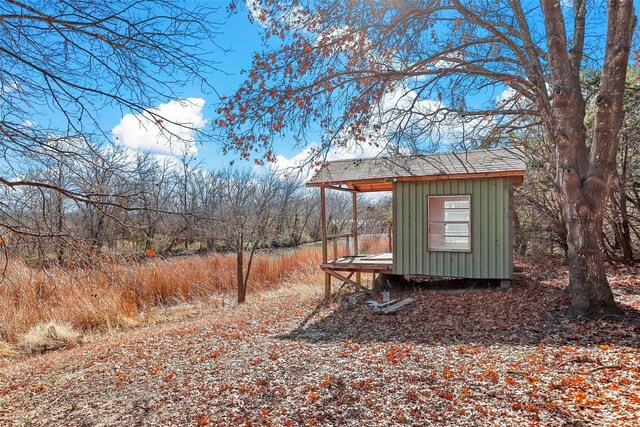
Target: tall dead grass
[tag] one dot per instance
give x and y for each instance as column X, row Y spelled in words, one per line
column 114, row 295
column 374, row 244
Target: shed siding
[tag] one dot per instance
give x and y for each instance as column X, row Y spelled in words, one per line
column 491, row 252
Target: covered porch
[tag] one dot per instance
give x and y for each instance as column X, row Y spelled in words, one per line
column 452, row 214
column 347, row 267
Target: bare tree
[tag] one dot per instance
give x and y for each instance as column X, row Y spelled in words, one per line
column 627, row 174
column 64, row 63
column 184, row 178
column 106, row 176
column 335, row 64
column 153, row 188
column 247, row 207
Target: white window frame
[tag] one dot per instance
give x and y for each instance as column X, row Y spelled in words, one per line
column 430, row 221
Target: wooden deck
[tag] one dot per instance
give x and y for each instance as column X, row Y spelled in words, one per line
column 379, row 263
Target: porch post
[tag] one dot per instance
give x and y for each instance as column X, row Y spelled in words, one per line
column 355, row 223
column 323, row 218
column 355, row 230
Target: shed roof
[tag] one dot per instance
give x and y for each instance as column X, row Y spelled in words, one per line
column 378, row 173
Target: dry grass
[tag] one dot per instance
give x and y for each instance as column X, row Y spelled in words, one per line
column 482, row 357
column 5, row 350
column 49, row 336
column 112, row 296
column 374, row 243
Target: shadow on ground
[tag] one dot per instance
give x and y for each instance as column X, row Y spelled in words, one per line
column 523, row 315
column 627, row 289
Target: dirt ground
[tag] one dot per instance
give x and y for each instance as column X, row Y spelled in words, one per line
column 453, row 357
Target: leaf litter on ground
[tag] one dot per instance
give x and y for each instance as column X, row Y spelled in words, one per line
column 465, row 358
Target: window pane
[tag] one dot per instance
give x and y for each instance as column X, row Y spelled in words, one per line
column 456, row 204
column 437, row 228
column 457, row 230
column 449, row 218
column 437, row 241
column 436, row 209
column 456, row 215
column 458, row 243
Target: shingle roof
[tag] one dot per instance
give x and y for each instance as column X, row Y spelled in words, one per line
column 467, row 162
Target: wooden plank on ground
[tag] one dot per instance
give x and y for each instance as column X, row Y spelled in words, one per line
column 397, row 306
column 377, row 305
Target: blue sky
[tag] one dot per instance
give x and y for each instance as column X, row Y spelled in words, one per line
column 27, row 103
column 240, row 38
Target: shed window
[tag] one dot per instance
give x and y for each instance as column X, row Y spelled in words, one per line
column 449, row 223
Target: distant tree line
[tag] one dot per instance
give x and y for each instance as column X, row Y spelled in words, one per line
column 110, row 201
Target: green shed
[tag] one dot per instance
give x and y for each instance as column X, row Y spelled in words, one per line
column 452, row 214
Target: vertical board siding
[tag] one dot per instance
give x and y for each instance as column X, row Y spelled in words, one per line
column 509, row 220
column 476, row 226
column 411, row 203
column 421, row 233
column 491, row 240
column 483, row 222
column 501, row 224
column 414, row 224
column 491, row 228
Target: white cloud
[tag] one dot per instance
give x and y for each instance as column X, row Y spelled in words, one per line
column 427, row 118
column 335, row 153
column 296, row 17
column 12, row 86
column 451, row 60
column 404, row 99
column 426, row 122
column 388, row 117
column 303, row 164
column 258, row 13
column 168, row 129
column 511, row 99
column 567, row 4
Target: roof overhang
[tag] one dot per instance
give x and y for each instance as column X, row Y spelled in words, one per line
column 386, row 184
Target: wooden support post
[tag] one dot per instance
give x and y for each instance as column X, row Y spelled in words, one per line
column 335, row 247
column 347, row 249
column 355, row 231
column 323, row 218
column 355, row 223
column 344, row 279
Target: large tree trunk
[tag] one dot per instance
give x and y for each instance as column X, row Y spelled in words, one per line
column 588, row 285
column 585, row 174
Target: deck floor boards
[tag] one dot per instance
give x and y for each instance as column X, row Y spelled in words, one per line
column 378, row 263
